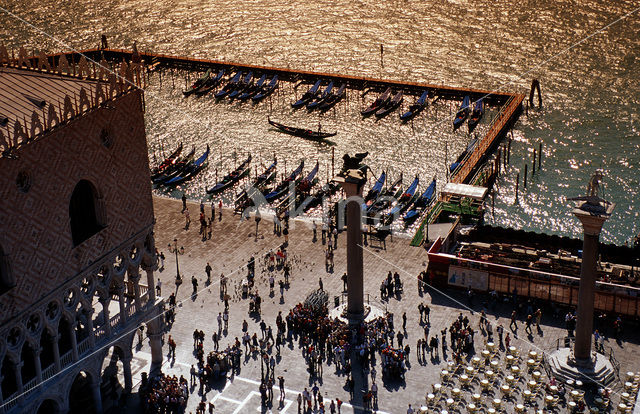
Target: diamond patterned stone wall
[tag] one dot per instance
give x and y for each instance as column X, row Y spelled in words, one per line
column 35, row 229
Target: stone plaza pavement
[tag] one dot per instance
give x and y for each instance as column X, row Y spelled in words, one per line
column 231, row 245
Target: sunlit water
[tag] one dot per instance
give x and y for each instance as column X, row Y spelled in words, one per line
column 591, row 94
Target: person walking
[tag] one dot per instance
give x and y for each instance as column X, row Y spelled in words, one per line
column 194, row 282
column 207, row 270
column 514, row 324
column 315, row 232
column 184, row 202
column 220, row 210
column 159, row 287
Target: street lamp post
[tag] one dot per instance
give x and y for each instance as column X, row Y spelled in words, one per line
column 173, row 248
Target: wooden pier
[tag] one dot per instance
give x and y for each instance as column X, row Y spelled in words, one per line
column 164, row 62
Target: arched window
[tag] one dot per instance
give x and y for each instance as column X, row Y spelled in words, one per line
column 6, row 278
column 83, row 212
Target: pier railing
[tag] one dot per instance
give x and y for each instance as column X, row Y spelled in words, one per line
column 501, row 120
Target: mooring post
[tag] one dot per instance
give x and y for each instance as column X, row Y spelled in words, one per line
column 533, row 166
column 539, row 155
column 535, row 86
column 333, row 160
column 517, row 183
column 524, row 181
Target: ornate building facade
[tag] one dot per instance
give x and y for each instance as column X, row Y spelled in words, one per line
column 77, row 254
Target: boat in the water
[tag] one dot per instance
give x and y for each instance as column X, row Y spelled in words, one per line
column 403, row 202
column 421, row 203
column 169, row 161
column 333, row 99
column 464, row 153
column 281, row 188
column 320, row 99
column 301, row 132
column 211, row 83
column 191, row 170
column 385, row 198
column 476, row 115
column 229, row 86
column 391, row 106
column 308, row 95
column 244, row 199
column 416, row 108
column 198, row 83
column 380, row 102
column 462, row 114
column 374, row 192
column 243, row 85
column 253, row 89
column 175, row 169
column 232, row 178
column 302, row 188
column 267, row 90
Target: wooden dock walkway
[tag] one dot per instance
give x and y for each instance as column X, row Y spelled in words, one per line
column 291, row 75
column 502, row 122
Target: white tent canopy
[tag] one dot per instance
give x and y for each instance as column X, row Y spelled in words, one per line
column 465, row 190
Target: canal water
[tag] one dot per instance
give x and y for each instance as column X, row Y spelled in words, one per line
column 591, row 95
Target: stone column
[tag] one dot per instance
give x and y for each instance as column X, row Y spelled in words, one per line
column 123, row 308
column 1, row 397
column 128, row 381
column 17, row 367
column 37, row 363
column 151, row 291
column 92, row 338
column 134, row 277
column 97, row 395
column 56, row 351
column 105, row 315
column 584, row 324
column 74, row 340
column 352, row 186
column 154, row 332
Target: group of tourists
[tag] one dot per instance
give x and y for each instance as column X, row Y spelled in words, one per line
column 165, row 394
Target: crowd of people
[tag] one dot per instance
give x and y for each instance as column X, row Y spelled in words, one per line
column 165, row 394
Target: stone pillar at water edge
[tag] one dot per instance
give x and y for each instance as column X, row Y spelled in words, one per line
column 352, row 183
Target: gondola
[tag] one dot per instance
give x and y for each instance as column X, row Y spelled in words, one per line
column 229, row 86
column 421, row 203
column 384, row 199
column 416, row 108
column 308, row 96
column 301, row 132
column 324, row 95
column 191, row 170
column 243, row 200
column 462, row 114
column 302, row 187
column 175, row 168
column 281, row 188
column 403, row 202
column 266, row 91
column 377, row 104
column 233, row 177
column 211, row 83
column 373, row 193
column 253, row 89
column 170, row 160
column 243, row 85
column 391, row 106
column 476, row 115
column 333, row 99
column 314, row 200
column 464, row 153
column 198, row 84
